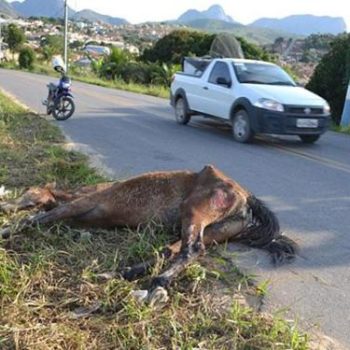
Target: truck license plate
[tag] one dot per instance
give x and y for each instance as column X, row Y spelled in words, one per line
column 307, row 123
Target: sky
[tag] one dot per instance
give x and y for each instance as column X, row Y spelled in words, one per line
column 243, row 11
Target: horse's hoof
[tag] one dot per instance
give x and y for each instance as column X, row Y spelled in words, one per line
column 106, row 275
column 7, row 208
column 158, row 297
column 82, row 312
column 5, row 233
column 140, row 295
column 4, row 192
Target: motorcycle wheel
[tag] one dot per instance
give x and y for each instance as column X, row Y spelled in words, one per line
column 64, row 108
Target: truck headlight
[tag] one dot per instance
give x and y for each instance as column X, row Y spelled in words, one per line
column 326, row 108
column 271, row 105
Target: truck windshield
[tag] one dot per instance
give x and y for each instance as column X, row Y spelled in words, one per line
column 260, row 73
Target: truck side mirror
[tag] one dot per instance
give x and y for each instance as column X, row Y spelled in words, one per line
column 223, row 81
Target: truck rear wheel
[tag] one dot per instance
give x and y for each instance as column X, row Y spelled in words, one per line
column 181, row 111
column 241, row 128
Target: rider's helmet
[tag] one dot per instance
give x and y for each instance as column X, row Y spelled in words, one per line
column 58, row 64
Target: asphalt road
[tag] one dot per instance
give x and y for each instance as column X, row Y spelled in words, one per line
column 308, row 186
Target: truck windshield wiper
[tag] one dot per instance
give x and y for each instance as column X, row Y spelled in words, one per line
column 252, row 82
column 286, row 83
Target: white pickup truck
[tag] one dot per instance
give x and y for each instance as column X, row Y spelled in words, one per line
column 256, row 97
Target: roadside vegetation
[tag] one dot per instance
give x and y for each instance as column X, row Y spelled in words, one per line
column 331, row 77
column 342, row 129
column 54, row 291
column 151, row 72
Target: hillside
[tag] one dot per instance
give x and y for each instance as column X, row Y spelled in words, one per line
column 214, row 19
column 304, row 24
column 93, row 16
column 259, row 36
column 6, row 9
column 39, row 8
column 264, row 30
column 55, row 8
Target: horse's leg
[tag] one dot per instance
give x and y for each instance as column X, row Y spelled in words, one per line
column 85, row 209
column 48, row 197
column 209, row 202
column 34, row 197
column 213, row 234
column 217, row 233
column 139, row 270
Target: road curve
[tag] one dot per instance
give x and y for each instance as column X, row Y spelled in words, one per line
column 308, row 186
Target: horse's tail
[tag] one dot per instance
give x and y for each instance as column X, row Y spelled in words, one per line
column 264, row 232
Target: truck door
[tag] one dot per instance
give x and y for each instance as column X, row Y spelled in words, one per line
column 218, row 94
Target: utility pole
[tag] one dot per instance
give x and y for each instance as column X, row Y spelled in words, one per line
column 345, row 118
column 66, row 34
column 0, row 40
column 1, row 21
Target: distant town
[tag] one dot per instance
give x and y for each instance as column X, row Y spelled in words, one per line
column 90, row 39
column 129, row 37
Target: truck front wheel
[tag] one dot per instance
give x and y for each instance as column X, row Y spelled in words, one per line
column 309, row 138
column 181, row 111
column 241, row 128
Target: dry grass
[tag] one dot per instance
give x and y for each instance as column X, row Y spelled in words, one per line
column 49, row 276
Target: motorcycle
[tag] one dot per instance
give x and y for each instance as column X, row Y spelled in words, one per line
column 60, row 101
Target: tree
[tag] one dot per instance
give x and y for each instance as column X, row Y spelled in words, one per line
column 331, row 76
column 171, row 48
column 252, row 51
column 26, row 58
column 14, row 37
column 179, row 43
column 52, row 45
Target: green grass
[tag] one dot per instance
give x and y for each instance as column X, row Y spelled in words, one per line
column 342, row 129
column 152, row 90
column 31, row 151
column 47, row 274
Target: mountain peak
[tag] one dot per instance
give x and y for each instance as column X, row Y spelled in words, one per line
column 6, row 9
column 39, row 8
column 216, row 8
column 54, row 8
column 213, row 12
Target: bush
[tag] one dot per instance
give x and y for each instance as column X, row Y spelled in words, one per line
column 132, row 72
column 331, row 76
column 26, row 58
column 158, row 64
column 252, row 51
column 138, row 72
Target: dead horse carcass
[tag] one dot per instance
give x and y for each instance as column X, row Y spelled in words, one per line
column 208, row 206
